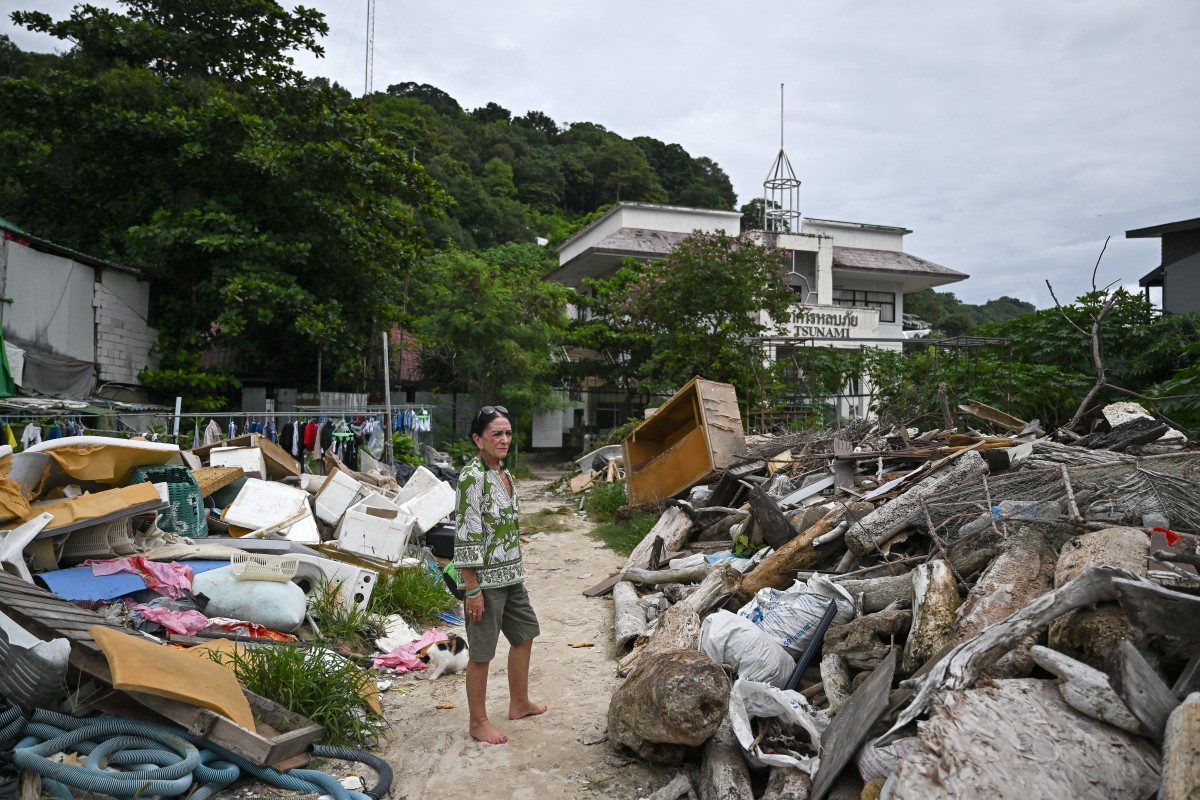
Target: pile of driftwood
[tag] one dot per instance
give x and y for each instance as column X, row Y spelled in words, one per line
column 1026, row 618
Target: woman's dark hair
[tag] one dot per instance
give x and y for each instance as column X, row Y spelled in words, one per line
column 484, row 417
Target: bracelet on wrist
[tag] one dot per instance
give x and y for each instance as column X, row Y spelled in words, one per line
column 474, row 591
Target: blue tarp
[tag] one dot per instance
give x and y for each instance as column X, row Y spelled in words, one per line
column 78, row 583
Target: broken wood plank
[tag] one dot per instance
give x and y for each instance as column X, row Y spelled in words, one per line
column 1188, row 680
column 849, row 729
column 993, row 415
column 1140, row 687
column 776, row 530
column 1154, row 609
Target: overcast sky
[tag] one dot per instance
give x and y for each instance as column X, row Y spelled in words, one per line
column 1012, row 136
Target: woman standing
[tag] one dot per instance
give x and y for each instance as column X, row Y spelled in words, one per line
column 487, row 553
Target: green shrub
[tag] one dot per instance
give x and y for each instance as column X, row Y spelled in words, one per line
column 412, row 593
column 604, row 499
column 461, row 450
column 404, row 451
column 342, row 627
column 324, row 687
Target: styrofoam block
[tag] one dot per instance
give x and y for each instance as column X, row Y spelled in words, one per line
column 431, row 507
column 377, row 532
column 339, row 491
column 371, row 499
column 355, row 584
column 303, row 530
column 262, row 503
column 250, row 459
column 420, row 482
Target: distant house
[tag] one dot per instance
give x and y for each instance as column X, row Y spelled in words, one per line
column 1178, row 273
column 70, row 321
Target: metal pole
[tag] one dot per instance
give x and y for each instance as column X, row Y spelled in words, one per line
column 387, row 401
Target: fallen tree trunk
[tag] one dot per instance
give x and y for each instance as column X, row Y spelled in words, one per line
column 674, row 526
column 724, row 774
column 935, row 599
column 879, row 593
column 889, row 519
column 776, row 570
column 721, row 582
column 677, row 629
column 650, row 577
column 629, row 613
column 673, row 701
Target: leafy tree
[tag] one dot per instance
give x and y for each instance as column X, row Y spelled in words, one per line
column 488, row 325
column 272, row 216
column 693, row 313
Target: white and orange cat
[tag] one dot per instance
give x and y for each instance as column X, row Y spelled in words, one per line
column 448, row 656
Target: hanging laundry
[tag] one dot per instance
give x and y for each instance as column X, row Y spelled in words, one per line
column 212, row 433
column 232, row 429
column 8, row 436
column 310, row 435
column 31, row 435
column 54, row 432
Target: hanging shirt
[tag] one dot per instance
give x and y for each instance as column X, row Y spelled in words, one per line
column 310, row 435
column 32, row 435
column 232, row 429
column 212, row 433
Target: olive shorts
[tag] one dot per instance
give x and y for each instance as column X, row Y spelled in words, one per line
column 506, row 610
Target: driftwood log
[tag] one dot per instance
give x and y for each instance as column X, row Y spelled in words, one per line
column 650, row 577
column 836, row 680
column 1181, row 752
column 678, row 786
column 720, row 583
column 629, row 614
column 785, row 783
column 677, row 629
column 724, row 774
column 883, row 523
column 674, row 526
column 1087, row 690
column 979, row 743
column 879, row 593
column 1022, row 572
column 935, row 599
column 865, row 642
column 673, row 701
column 776, row 570
column 961, row 666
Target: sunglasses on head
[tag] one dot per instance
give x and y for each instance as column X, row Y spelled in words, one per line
column 493, row 410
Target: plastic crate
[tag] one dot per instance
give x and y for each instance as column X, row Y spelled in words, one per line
column 185, row 514
column 113, row 538
column 264, row 567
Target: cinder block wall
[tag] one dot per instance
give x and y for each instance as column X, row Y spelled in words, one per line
column 124, row 340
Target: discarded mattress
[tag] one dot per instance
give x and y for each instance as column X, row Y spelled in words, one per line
column 104, row 459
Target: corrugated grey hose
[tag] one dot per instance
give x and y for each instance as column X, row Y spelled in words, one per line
column 168, row 758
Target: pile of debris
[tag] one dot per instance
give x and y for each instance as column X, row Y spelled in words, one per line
column 107, row 540
column 909, row 614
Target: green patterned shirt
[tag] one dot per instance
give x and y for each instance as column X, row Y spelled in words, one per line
column 487, row 533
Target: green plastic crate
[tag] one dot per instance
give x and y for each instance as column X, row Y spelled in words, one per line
column 185, row 514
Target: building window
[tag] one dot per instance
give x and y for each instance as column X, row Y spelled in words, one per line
column 607, row 417
column 885, row 302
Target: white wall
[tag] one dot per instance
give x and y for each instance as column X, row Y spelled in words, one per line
column 52, row 303
column 851, row 235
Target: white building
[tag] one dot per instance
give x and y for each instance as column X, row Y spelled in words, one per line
column 850, row 278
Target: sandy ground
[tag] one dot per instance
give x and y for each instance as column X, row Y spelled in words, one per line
column 563, row 753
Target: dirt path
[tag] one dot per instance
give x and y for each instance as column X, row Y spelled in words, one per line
column 561, row 754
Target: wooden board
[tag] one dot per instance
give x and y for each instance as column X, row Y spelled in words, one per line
column 48, row 616
column 850, row 727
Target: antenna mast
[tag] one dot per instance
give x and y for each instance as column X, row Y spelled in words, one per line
column 781, row 190
column 369, row 68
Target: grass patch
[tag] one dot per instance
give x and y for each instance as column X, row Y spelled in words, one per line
column 621, row 537
column 413, row 593
column 323, row 687
column 548, row 520
column 604, row 499
column 342, row 627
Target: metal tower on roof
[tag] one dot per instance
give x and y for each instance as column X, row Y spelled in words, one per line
column 781, row 190
column 369, row 67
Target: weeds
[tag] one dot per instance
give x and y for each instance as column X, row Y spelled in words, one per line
column 319, row 685
column 604, row 499
column 343, row 627
column 548, row 520
column 622, row 537
column 414, row 594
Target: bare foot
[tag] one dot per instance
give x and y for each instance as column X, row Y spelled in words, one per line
column 528, row 709
column 487, row 732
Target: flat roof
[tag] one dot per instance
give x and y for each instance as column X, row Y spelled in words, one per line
column 655, row 206
column 1155, row 231
column 865, row 226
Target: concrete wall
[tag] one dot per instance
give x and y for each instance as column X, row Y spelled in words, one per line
column 123, row 339
column 853, row 235
column 660, row 218
column 1181, row 285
